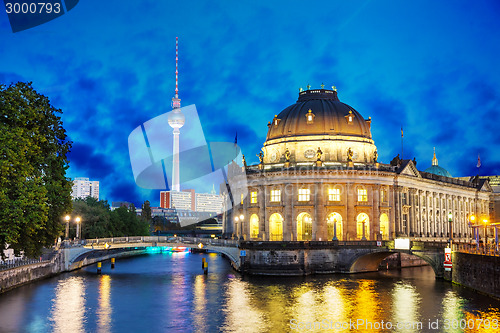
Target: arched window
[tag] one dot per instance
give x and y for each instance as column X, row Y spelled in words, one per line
column 334, row 223
column 363, row 223
column 254, row 226
column 304, row 227
column 276, row 227
column 384, row 226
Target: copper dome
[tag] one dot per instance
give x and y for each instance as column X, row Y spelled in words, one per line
column 329, row 117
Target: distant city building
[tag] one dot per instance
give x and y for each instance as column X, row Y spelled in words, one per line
column 179, row 200
column 169, row 214
column 188, row 200
column 83, row 187
column 118, row 204
column 208, row 202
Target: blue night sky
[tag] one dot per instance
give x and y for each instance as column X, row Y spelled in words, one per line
column 431, row 67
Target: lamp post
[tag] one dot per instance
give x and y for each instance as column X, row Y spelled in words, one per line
column 66, row 234
column 242, row 217
column 364, row 236
column 334, row 228
column 472, row 219
column 237, row 219
column 485, row 221
column 78, row 220
column 450, row 239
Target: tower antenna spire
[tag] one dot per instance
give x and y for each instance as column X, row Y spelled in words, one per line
column 176, row 120
column 176, row 102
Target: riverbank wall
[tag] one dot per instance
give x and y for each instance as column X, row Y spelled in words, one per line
column 306, row 258
column 479, row 272
column 18, row 276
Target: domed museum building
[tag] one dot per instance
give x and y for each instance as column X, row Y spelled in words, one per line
column 319, row 179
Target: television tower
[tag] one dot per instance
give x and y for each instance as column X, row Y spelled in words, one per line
column 176, row 120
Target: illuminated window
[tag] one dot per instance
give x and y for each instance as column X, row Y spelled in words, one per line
column 275, row 195
column 253, row 197
column 254, row 226
column 350, row 117
column 304, row 194
column 362, row 195
column 382, row 195
column 334, row 194
column 276, row 120
column 310, row 117
column 241, row 198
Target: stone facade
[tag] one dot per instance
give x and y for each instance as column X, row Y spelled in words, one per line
column 303, row 203
column 319, row 179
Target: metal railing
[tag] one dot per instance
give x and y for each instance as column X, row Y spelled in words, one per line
column 13, row 263
column 488, row 250
column 161, row 239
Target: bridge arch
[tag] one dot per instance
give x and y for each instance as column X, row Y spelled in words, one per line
column 369, row 262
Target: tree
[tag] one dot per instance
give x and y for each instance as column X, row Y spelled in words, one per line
column 146, row 211
column 99, row 221
column 95, row 217
column 34, row 190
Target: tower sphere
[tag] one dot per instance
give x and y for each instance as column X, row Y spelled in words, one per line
column 176, row 119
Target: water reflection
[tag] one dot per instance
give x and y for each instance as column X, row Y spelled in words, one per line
column 334, row 303
column 200, row 303
column 406, row 302
column 366, row 307
column 104, row 312
column 170, row 293
column 241, row 314
column 68, row 310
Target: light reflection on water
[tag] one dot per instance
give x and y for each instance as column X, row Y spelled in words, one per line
column 105, row 310
column 170, row 293
column 68, row 310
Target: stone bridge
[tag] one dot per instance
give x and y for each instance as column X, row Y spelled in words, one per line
column 265, row 258
column 90, row 251
column 303, row 258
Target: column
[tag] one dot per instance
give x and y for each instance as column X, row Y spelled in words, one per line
column 261, row 200
column 287, row 212
column 375, row 220
column 398, row 209
column 266, row 213
column 391, row 196
column 320, row 218
column 350, row 223
column 411, row 212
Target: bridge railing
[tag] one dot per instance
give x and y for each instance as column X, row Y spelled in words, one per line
column 161, row 239
column 488, row 250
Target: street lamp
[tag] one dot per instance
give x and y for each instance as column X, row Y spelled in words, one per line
column 237, row 218
column 472, row 220
column 450, row 215
column 77, row 220
column 66, row 234
column 242, row 217
column 364, row 235
column 485, row 221
column 334, row 220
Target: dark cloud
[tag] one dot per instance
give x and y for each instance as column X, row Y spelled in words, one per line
column 242, row 64
column 94, row 165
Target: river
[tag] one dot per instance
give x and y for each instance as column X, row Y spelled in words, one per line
column 167, row 292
